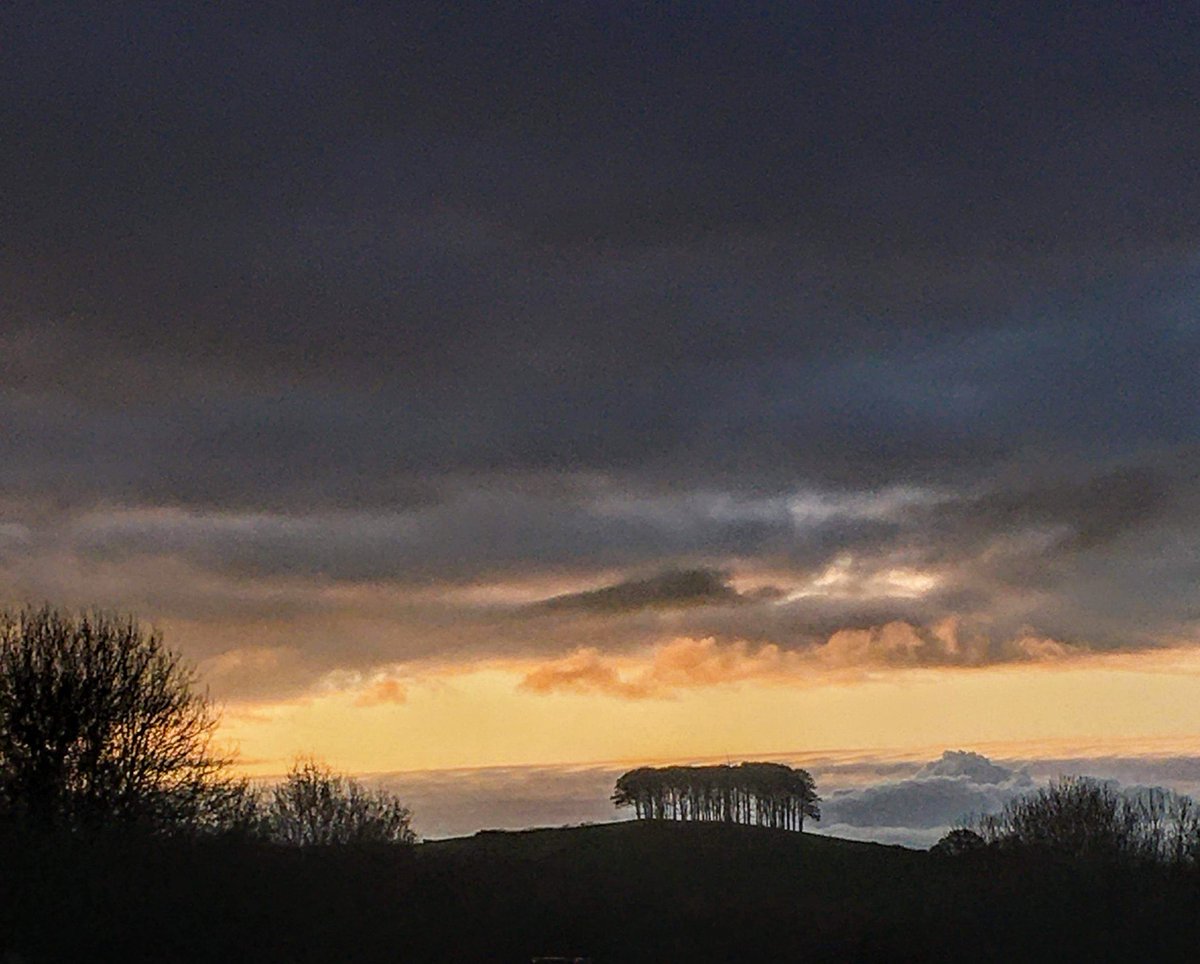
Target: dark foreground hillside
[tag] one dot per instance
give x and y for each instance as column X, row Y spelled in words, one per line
column 616, row 893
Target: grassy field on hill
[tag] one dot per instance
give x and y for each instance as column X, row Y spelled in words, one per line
column 624, row 892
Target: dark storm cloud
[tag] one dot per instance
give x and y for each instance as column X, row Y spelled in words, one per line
column 473, row 534
column 428, row 294
column 480, row 535
column 367, row 193
column 1094, row 511
column 668, row 590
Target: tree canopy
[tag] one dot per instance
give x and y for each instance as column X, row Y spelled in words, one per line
column 768, row 794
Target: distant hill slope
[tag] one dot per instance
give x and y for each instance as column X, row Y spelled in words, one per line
column 664, row 891
column 621, row 893
column 552, row 839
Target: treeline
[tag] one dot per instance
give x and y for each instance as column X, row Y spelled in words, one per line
column 766, row 794
column 1081, row 818
column 103, row 728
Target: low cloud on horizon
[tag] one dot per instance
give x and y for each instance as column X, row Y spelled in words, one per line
column 875, row 798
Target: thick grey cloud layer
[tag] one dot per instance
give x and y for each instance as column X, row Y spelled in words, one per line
column 430, row 298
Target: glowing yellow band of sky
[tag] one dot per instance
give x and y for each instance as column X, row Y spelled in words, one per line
column 482, row 716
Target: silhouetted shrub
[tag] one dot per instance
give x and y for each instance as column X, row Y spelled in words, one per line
column 233, row 808
column 313, row 806
column 958, row 842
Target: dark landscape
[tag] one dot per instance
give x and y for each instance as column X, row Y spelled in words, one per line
column 614, row 893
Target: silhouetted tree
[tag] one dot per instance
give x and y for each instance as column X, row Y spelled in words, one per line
column 231, row 808
column 1081, row 817
column 1168, row 825
column 314, row 806
column 769, row 794
column 1073, row 815
column 100, row 722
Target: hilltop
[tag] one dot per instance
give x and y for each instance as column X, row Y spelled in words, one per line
column 665, row 891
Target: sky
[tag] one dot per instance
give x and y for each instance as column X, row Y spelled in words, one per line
column 910, row 798
column 525, row 384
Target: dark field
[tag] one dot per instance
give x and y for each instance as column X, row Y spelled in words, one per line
column 615, row 893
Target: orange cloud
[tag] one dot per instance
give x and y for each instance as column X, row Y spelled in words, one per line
column 583, row 671
column 680, row 664
column 693, row 663
column 1043, row 648
column 946, row 643
column 385, row 692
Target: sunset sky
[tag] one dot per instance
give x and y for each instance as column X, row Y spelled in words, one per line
column 465, row 385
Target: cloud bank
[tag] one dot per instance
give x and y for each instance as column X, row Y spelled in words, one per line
column 362, row 335
column 918, row 810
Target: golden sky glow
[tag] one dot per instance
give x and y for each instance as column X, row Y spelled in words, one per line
column 489, row 715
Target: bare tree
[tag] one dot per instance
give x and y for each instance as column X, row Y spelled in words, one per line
column 100, row 722
column 313, row 806
column 231, row 808
column 1086, row 818
column 1074, row 816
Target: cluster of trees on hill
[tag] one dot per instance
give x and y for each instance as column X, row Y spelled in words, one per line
column 102, row 726
column 1082, row 818
column 767, row 794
